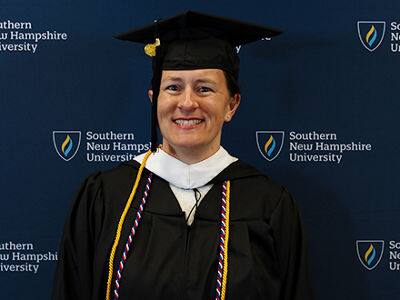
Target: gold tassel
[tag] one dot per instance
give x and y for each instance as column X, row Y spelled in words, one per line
column 150, row 49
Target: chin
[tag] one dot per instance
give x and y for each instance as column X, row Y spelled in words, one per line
column 189, row 141
column 187, row 144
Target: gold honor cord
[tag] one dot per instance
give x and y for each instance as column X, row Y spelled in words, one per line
column 122, row 220
column 225, row 276
column 121, row 223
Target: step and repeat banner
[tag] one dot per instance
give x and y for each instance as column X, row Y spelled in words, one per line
column 319, row 114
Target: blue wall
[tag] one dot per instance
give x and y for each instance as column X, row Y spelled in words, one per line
column 316, row 77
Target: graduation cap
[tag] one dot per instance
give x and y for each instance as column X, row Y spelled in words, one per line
column 193, row 40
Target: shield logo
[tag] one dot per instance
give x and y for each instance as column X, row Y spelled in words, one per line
column 270, row 143
column 371, row 33
column 370, row 252
column 66, row 143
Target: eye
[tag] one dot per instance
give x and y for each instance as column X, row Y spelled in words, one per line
column 204, row 89
column 172, row 87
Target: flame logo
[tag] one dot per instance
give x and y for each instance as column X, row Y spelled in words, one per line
column 67, row 145
column 370, row 254
column 269, row 146
column 372, row 32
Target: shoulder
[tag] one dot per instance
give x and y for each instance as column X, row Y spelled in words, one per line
column 120, row 174
column 244, row 174
column 117, row 184
column 107, row 186
column 103, row 194
column 112, row 178
column 255, row 191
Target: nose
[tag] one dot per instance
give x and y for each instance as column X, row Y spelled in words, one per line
column 187, row 101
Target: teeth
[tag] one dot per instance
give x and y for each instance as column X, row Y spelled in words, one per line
column 188, row 122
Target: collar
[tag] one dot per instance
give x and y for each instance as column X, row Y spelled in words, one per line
column 183, row 175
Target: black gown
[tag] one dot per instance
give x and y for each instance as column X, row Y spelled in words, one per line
column 171, row 260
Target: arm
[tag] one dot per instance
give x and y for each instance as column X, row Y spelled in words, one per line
column 291, row 249
column 73, row 278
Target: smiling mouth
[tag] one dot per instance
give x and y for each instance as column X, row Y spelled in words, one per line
column 188, row 123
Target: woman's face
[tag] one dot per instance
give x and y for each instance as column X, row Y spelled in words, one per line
column 192, row 108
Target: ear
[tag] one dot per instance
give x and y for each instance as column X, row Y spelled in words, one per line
column 233, row 106
column 150, row 95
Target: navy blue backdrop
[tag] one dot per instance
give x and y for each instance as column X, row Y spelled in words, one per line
column 318, row 114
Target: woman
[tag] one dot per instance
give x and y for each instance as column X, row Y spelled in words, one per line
column 186, row 220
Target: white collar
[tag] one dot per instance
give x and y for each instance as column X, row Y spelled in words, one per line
column 183, row 175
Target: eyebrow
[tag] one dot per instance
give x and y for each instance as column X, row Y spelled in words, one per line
column 179, row 79
column 173, row 79
column 206, row 80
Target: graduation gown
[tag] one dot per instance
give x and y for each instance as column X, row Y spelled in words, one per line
column 171, row 260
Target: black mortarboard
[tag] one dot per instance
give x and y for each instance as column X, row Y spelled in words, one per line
column 191, row 41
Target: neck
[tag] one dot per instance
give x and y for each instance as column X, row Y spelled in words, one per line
column 190, row 155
